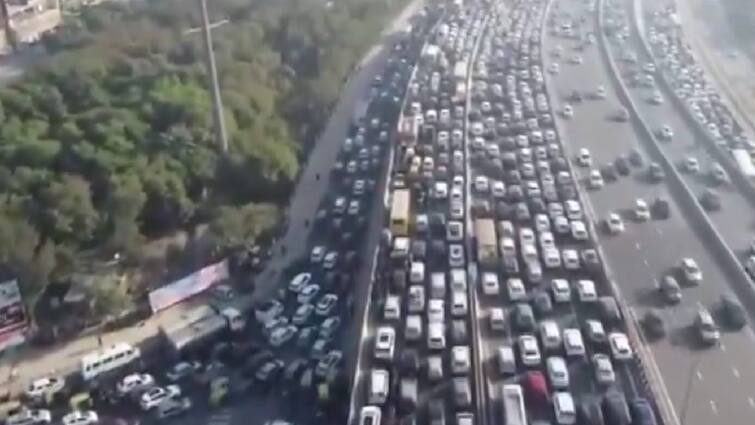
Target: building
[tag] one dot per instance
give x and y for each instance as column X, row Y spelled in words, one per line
column 25, row 21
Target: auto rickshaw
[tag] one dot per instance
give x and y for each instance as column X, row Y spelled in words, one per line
column 218, row 390
column 81, row 401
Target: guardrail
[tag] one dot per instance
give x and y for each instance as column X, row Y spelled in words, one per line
column 745, row 288
column 685, row 198
column 721, row 154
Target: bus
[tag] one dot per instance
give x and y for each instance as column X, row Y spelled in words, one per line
column 487, row 243
column 400, row 212
column 108, row 359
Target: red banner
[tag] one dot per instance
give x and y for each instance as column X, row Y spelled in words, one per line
column 188, row 286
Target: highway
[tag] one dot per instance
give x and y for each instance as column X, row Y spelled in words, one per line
column 704, row 385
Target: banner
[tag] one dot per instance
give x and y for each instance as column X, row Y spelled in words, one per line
column 188, row 286
column 13, row 320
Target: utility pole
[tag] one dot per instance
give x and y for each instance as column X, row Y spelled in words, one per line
column 217, row 103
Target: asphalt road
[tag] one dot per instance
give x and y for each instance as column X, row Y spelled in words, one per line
column 705, row 386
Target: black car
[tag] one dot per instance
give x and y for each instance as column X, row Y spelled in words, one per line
column 661, row 208
column 733, row 312
column 543, row 303
column 622, row 165
column 409, row 361
column 459, row 333
column 656, row 173
column 615, row 409
column 609, row 310
column 635, row 157
column 642, row 412
column 436, row 411
column 710, row 200
column 575, row 97
column 609, row 173
column 589, row 413
column 654, row 325
column 524, row 318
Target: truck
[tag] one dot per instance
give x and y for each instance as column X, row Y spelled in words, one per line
column 513, row 405
column 201, row 325
column 487, row 243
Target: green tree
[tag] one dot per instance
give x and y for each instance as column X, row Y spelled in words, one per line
column 235, row 226
column 67, row 211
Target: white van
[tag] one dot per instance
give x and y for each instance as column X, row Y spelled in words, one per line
column 417, row 272
column 506, row 360
column 380, row 382
column 438, row 285
column 436, row 336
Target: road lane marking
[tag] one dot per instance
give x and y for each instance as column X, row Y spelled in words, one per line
column 637, row 245
column 723, row 347
column 647, row 264
column 735, row 371
column 659, row 231
column 699, row 375
column 751, row 401
column 713, row 407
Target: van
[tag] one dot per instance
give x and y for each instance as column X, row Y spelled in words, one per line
column 438, row 285
column 506, row 360
column 380, row 382
column 417, row 272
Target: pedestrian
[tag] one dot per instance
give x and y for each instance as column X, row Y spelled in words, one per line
column 99, row 341
column 306, row 223
column 317, row 176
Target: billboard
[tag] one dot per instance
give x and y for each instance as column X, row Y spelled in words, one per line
column 187, row 287
column 13, row 320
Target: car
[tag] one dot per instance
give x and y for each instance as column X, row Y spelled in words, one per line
column 710, row 200
column 661, row 208
column 299, row 282
column 579, row 230
column 615, row 409
column 330, row 261
column 636, row 158
column 328, row 365
column 497, row 319
column 81, row 417
column 622, row 115
column 584, row 159
column 691, row 165
column 665, row 133
column 574, row 346
column 308, row 293
column 515, row 288
column 302, row 314
column 656, row 98
column 436, row 411
column 586, row 291
column 183, row 370
column 642, row 412
column 29, row 417
column 567, row 111
column 481, row 184
column 490, row 285
column 461, row 362
column 603, row 367
column 575, row 97
column 385, row 343
column 733, row 312
column 622, row 165
column 614, row 224
column 670, row 290
column 641, row 210
column 600, row 93
column 156, row 395
column 317, row 254
column 609, row 172
column 558, row 373
column 570, row 259
column 595, row 332
column 718, row 174
column 455, row 231
column 529, row 350
column 706, row 327
column 653, row 324
column 655, row 172
column 591, row 259
column 561, row 290
column 45, row 387
column 691, row 271
column 456, row 255
column 595, row 180
column 281, row 335
column 459, row 332
column 326, row 304
column 409, row 362
column 620, row 348
column 135, row 383
column 329, row 327
column 434, row 368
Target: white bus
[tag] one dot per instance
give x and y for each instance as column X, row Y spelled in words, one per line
column 108, row 359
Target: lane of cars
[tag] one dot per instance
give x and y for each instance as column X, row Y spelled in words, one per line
column 649, row 252
column 547, row 291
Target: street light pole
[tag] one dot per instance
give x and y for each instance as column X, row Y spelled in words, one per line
column 217, row 103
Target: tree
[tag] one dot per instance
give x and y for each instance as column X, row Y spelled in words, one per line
column 233, row 227
column 66, row 209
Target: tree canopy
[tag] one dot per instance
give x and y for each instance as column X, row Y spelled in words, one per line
column 109, row 142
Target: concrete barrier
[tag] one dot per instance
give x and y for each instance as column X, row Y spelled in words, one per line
column 743, row 183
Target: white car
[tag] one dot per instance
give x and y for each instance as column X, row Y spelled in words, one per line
column 600, row 92
column 570, row 259
column 317, row 254
column 455, row 231
column 666, row 133
column 515, row 288
column 692, row 165
column 692, row 273
column 615, row 224
column 308, row 293
column 529, row 350
column 583, row 158
column 153, row 397
column 460, row 360
column 561, row 290
column 39, row 388
column 490, row 285
column 656, row 98
column 459, row 303
column 498, row 189
column 436, row 311
column 604, row 373
column 586, row 291
column 457, row 210
column 620, row 348
column 567, row 112
column 78, row 417
column 300, row 281
column 641, row 210
column 330, row 261
column 385, row 343
column 574, row 345
column 551, row 258
column 481, row 184
column 30, row 417
column 282, row 334
column 542, row 223
column 136, row 382
column 595, row 180
column 182, row 370
column 497, row 319
column 558, row 373
column 578, row 230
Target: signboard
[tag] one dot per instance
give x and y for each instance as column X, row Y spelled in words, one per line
column 13, row 320
column 187, row 287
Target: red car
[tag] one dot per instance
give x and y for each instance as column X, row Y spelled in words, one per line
column 535, row 389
